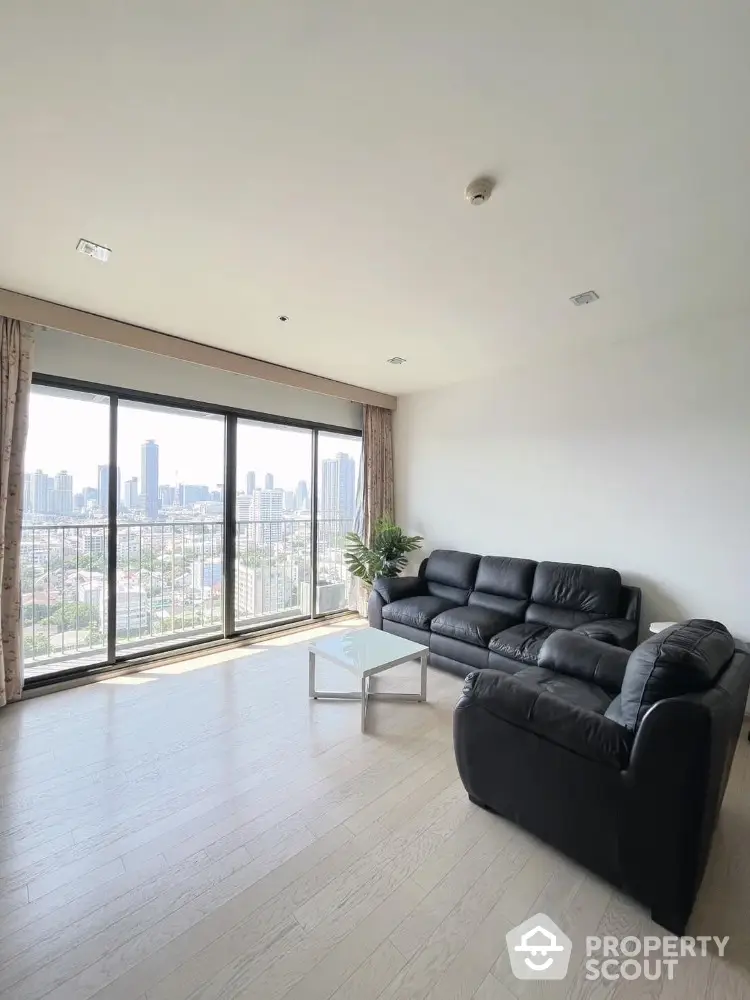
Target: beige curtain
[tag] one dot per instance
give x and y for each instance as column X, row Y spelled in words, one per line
column 16, row 346
column 377, row 466
column 376, row 486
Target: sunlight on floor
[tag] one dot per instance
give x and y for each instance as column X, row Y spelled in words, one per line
column 187, row 664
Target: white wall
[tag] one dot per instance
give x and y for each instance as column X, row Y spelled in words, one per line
column 71, row 356
column 635, row 456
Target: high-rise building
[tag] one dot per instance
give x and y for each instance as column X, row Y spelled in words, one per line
column 208, row 574
column 289, row 500
column 103, row 484
column 167, row 495
column 102, row 477
column 41, row 485
column 244, row 505
column 150, row 477
column 188, row 493
column 250, row 481
column 90, row 495
column 269, row 481
column 267, row 505
column 301, row 495
column 329, row 494
column 337, row 487
column 78, row 502
column 62, row 494
column 130, row 494
column 263, row 590
column 347, row 485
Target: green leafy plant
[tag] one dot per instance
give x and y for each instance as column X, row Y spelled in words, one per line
column 385, row 556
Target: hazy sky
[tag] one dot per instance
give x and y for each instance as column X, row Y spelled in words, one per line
column 72, row 433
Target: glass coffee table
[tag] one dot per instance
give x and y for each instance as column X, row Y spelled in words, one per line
column 365, row 652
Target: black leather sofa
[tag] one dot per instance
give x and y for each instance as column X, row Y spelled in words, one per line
column 618, row 759
column 493, row 611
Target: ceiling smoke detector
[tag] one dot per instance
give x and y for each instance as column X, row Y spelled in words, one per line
column 396, row 361
column 94, row 250
column 584, row 298
column 479, row 191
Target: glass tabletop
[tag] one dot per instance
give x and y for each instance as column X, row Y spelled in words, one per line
column 366, row 649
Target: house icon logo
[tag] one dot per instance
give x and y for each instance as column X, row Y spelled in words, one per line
column 538, row 949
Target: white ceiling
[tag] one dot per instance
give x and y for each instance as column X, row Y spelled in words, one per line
column 245, row 159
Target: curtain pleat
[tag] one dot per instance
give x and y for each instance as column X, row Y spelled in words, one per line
column 375, row 481
column 16, row 348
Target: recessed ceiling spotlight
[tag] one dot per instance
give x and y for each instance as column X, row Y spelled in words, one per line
column 479, row 191
column 584, row 298
column 283, row 318
column 396, row 361
column 94, row 250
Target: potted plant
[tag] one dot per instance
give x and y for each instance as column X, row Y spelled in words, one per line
column 386, row 554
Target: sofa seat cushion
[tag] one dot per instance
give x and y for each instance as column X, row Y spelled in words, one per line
column 578, row 692
column 417, row 612
column 591, row 660
column 521, row 642
column 475, row 624
column 562, row 710
column 617, row 631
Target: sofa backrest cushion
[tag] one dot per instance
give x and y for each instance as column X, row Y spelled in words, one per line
column 450, row 575
column 568, row 594
column 504, row 584
column 683, row 659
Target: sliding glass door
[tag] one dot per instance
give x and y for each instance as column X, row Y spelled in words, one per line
column 273, row 568
column 170, row 519
column 150, row 524
column 337, row 474
column 65, row 534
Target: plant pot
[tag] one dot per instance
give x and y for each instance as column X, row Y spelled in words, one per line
column 363, row 596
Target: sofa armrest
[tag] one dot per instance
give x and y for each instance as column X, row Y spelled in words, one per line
column 554, row 719
column 386, row 589
column 669, row 814
column 375, row 606
column 394, row 588
column 589, row 659
column 616, row 631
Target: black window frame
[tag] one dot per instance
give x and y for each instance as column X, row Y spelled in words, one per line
column 230, row 414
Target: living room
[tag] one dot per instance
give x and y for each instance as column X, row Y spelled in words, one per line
column 373, row 501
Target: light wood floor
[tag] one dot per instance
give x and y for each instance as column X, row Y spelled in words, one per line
column 203, row 830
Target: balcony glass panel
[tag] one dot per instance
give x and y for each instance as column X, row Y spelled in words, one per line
column 273, row 572
column 170, row 564
column 338, row 470
column 65, row 536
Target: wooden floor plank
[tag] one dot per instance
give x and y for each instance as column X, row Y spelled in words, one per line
column 205, row 832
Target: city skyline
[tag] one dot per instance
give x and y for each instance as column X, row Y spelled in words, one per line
column 72, row 434
column 167, row 581
column 57, row 493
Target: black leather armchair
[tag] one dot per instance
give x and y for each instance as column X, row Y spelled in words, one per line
column 619, row 760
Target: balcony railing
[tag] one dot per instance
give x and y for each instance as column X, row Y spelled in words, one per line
column 169, row 584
